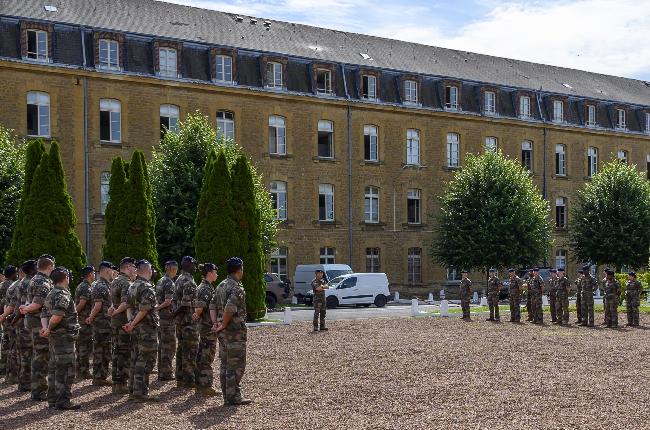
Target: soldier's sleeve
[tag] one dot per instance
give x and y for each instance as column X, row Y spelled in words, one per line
column 124, row 291
column 315, row 284
column 168, row 289
column 97, row 294
column 60, row 304
column 188, row 293
column 235, row 299
column 23, row 293
column 147, row 300
column 202, row 298
column 214, row 299
column 40, row 293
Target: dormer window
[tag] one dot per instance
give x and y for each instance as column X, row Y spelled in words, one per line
column 524, row 107
column 323, row 81
column 37, row 45
column 490, row 102
column 558, row 111
column 109, row 54
column 410, row 92
column 620, row 119
column 451, row 97
column 274, row 75
column 369, row 87
column 647, row 122
column 591, row 116
column 167, row 58
column 224, row 69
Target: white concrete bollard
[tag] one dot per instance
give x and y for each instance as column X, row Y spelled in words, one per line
column 442, row 294
column 544, row 301
column 414, row 307
column 294, row 300
column 598, row 296
column 430, row 297
column 483, row 292
column 397, row 296
column 484, row 301
column 444, row 308
column 287, row 315
column 475, row 298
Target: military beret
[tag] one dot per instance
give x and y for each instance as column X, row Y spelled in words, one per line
column 463, row 271
column 171, row 263
column 491, row 270
column 531, row 269
column 141, row 262
column 560, row 269
column 580, row 271
column 553, row 271
column 87, row 268
column 10, row 270
column 235, row 260
column 234, row 264
column 114, row 267
column 106, row 264
column 632, row 274
column 535, row 269
column 28, row 263
column 48, row 256
column 511, row 270
column 210, row 267
column 585, row 267
column 190, row 259
column 609, row 271
column 318, row 270
column 127, row 260
column 60, row 269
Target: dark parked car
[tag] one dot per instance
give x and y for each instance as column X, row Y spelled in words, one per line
column 275, row 289
column 523, row 274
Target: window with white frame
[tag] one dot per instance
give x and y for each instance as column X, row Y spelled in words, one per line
column 622, row 155
column 560, row 258
column 410, row 92
column 225, row 124
column 524, row 107
column 279, row 262
column 560, row 159
column 169, row 115
column 490, row 102
column 453, row 150
column 527, row 155
column 104, row 181
column 224, row 69
column 110, row 120
column 413, row 206
column 323, row 81
column 592, row 161
column 558, row 111
column 620, row 119
column 279, row 198
column 372, row 260
column 454, row 274
column 370, row 143
column 38, row 114
column 560, row 212
column 37, row 45
column 327, row 255
column 647, row 123
column 414, row 265
column 326, row 139
column 369, row 87
column 591, row 115
column 451, row 97
column 168, row 62
column 277, row 135
column 491, row 144
column 326, row 202
column 274, row 75
column 109, row 54
column 371, row 208
column 647, row 165
column 412, row 146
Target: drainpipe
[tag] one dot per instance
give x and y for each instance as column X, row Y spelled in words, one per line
column 544, row 175
column 87, row 210
column 350, row 232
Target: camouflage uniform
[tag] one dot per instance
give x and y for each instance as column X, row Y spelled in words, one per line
column 529, row 301
column 562, row 300
column 23, row 338
column 633, row 301
column 493, row 298
column 320, row 307
column 121, row 356
column 612, row 293
column 4, row 344
column 465, row 294
column 37, row 291
column 101, row 329
column 61, row 370
column 134, row 348
column 589, row 284
column 515, row 298
column 552, row 297
column 208, row 340
column 603, row 286
column 85, row 340
column 167, row 329
column 10, row 335
column 578, row 283
column 230, row 297
column 536, row 290
column 146, row 332
column 189, row 330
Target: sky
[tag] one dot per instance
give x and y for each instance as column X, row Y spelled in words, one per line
column 603, row 36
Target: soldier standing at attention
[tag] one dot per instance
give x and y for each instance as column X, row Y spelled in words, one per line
column 101, row 322
column 208, row 338
column 60, row 324
column 4, row 342
column 37, row 290
column 633, row 289
column 23, row 335
column 11, row 307
column 603, row 285
column 552, row 294
column 167, row 329
column 578, row 283
column 612, row 293
column 318, row 286
column 537, row 289
column 465, row 294
column 230, row 316
column 494, row 286
column 121, row 356
column 514, row 292
column 529, row 301
column 589, row 284
column 562, row 297
column 83, row 299
column 9, row 336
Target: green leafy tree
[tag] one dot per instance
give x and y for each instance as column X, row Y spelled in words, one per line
column 491, row 216
column 12, row 171
column 610, row 218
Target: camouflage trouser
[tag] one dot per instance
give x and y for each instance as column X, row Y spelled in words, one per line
column 611, row 309
column 40, row 361
column 231, row 370
column 166, row 349
column 552, row 303
column 4, row 348
column 60, row 370
column 493, row 303
column 320, row 310
column 464, row 304
column 587, row 308
column 147, row 340
column 529, row 306
column 205, row 359
column 121, row 356
column 12, row 356
column 134, row 350
column 179, row 352
column 102, row 351
column 189, row 347
column 537, row 311
column 605, row 309
column 562, row 306
column 84, row 348
column 632, row 302
column 25, row 352
column 579, row 304
column 515, row 308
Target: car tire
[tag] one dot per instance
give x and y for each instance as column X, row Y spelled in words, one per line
column 270, row 302
column 332, row 302
column 380, row 301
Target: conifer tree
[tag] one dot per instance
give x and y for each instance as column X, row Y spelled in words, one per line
column 115, row 230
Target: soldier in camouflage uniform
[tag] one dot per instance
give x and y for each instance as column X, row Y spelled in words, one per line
column 24, row 348
column 603, row 286
column 144, row 323
column 60, row 325
column 514, row 293
column 552, row 294
column 494, row 286
column 578, row 283
column 529, row 301
column 84, row 304
column 37, row 290
column 9, row 331
column 536, row 289
column 189, row 331
column 167, row 329
column 612, row 293
column 208, row 338
column 318, row 286
column 230, row 313
column 3, row 336
column 101, row 323
column 121, row 356
column 633, row 289
column 465, row 294
column 563, row 286
column 589, row 285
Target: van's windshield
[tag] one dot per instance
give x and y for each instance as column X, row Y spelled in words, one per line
column 336, row 281
column 332, row 274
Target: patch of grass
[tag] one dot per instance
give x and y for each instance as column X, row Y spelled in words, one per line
column 269, row 320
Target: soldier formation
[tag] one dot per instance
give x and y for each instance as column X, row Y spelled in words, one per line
column 127, row 324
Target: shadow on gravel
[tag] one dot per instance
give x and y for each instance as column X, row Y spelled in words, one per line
column 83, row 390
column 190, row 401
column 32, row 417
column 212, row 417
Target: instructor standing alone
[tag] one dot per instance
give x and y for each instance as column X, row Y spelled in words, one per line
column 318, row 286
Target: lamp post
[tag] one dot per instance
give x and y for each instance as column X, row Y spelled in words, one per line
column 404, row 167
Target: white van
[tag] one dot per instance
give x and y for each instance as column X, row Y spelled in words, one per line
column 305, row 273
column 357, row 289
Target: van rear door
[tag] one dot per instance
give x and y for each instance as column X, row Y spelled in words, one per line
column 348, row 291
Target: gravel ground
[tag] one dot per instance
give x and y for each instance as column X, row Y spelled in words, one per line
column 396, row 373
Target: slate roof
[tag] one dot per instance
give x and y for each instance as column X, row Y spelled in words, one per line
column 166, row 20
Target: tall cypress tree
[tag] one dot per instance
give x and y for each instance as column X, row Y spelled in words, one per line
column 115, row 229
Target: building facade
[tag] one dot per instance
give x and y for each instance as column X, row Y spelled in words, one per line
column 355, row 135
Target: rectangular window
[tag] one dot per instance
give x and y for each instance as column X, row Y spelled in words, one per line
column 372, row 260
column 453, row 150
column 410, row 92
column 372, row 204
column 224, row 69
column 413, row 206
column 524, row 107
column 274, row 75
column 414, row 265
column 454, row 274
column 168, row 64
column 491, row 144
column 279, row 198
column 622, row 155
column 109, row 57
column 558, row 111
column 169, row 115
column 104, row 180
column 110, row 122
column 277, row 135
column 327, row 255
column 451, row 99
column 592, row 161
column 560, row 258
column 370, row 143
column 369, row 87
column 38, row 114
column 326, row 202
column 225, row 124
column 490, row 102
column 527, row 155
column 560, row 212
column 560, row 160
column 591, row 116
column 37, row 45
column 326, row 139
column 323, row 81
column 279, row 263
column 412, row 146
column 620, row 123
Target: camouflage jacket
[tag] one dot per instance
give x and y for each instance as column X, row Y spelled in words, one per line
column 143, row 299
column 315, row 283
column 536, row 286
column 59, row 302
column 515, row 283
column 465, row 288
column 204, row 295
column 552, row 284
column 633, row 287
column 14, row 293
column 102, row 293
column 230, row 296
column 493, row 284
column 185, row 294
column 37, row 290
column 164, row 291
column 578, row 283
column 612, row 288
column 119, row 294
column 84, row 291
column 589, row 284
column 4, row 286
column 563, row 285
column 22, row 291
